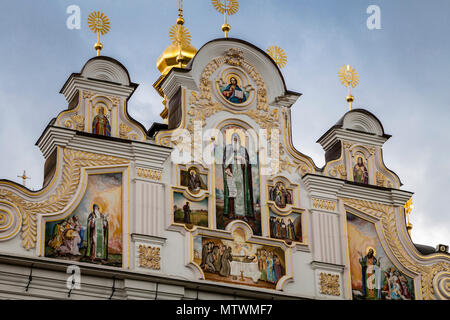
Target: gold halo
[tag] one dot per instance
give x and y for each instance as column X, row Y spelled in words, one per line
column 98, row 22
column 348, row 76
column 233, row 75
column 179, row 33
column 228, row 6
column 100, row 202
column 374, row 251
column 278, row 55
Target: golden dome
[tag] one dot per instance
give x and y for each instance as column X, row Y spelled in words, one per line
column 180, row 51
column 175, row 56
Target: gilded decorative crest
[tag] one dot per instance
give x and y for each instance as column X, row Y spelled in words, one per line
column 329, row 284
column 180, row 34
column 278, row 55
column 98, row 22
column 348, row 76
column 149, row 257
column 228, row 7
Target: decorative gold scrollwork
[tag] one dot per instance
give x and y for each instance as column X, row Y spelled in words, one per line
column 329, row 284
column 149, row 257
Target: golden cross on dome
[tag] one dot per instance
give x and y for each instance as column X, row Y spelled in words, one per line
column 179, row 34
column 349, row 78
column 24, row 178
column 408, row 208
column 226, row 7
column 278, row 55
column 98, row 23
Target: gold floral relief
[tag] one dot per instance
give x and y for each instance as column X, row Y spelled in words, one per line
column 386, row 214
column 149, row 257
column 124, row 130
column 323, row 204
column 78, row 119
column 71, row 175
column 149, row 174
column 329, row 284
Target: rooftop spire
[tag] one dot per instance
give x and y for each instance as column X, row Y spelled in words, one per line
column 24, row 178
column 349, row 78
column 226, row 7
column 180, row 19
column 180, row 52
column 98, row 23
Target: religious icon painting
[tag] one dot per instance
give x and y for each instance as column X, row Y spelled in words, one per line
column 233, row 91
column 189, row 212
column 239, row 262
column 237, row 179
column 373, row 275
column 281, row 195
column 101, row 124
column 193, row 180
column 360, row 171
column 287, row 228
column 93, row 231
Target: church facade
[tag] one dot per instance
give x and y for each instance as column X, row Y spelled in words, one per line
column 215, row 203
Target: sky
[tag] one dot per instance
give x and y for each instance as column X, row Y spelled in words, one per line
column 403, row 69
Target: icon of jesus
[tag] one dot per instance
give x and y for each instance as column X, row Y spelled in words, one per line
column 233, row 92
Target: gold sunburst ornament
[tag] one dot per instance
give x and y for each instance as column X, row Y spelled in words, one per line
column 179, row 34
column 98, row 23
column 278, row 55
column 408, row 208
column 349, row 78
column 226, row 7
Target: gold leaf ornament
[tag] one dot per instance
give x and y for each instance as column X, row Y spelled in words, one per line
column 98, row 22
column 180, row 34
column 278, row 55
column 229, row 7
column 348, row 76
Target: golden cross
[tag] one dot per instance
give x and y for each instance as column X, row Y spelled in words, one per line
column 226, row 7
column 349, row 78
column 24, row 178
column 98, row 23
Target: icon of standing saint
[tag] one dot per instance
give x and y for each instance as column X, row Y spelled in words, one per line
column 360, row 173
column 237, row 180
column 101, row 125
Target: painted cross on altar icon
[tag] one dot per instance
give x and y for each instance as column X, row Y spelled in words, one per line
column 233, row 92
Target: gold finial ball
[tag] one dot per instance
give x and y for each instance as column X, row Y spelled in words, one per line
column 350, row 98
column 226, row 27
column 98, row 46
column 180, row 21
